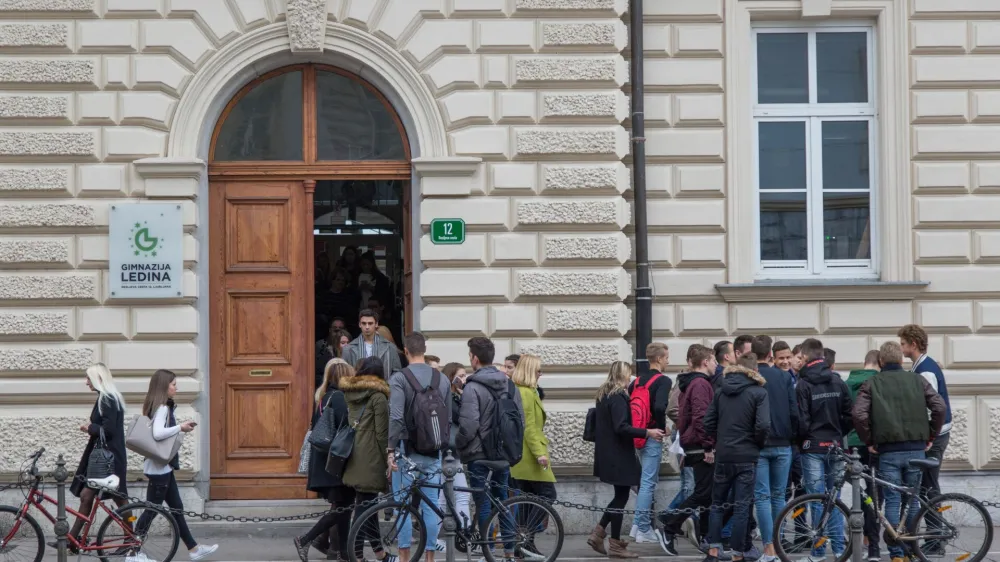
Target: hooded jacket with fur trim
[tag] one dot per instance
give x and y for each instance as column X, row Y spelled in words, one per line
column 366, row 468
column 739, row 416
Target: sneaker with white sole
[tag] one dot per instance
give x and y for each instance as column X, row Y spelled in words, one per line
column 634, row 531
column 666, row 542
column 139, row 557
column 687, row 527
column 202, row 551
column 647, row 536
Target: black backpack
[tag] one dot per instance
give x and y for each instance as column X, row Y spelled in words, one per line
column 430, row 422
column 506, row 441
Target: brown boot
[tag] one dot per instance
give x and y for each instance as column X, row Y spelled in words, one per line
column 596, row 540
column 618, row 549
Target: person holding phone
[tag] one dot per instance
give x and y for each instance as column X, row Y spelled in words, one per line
column 159, row 407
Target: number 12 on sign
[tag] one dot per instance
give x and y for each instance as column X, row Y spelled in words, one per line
column 447, row 231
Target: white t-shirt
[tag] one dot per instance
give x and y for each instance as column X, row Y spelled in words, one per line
column 368, row 349
column 160, row 432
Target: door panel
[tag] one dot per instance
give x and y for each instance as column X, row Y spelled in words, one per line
column 260, row 380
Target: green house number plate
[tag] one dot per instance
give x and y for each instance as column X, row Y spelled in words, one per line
column 447, row 231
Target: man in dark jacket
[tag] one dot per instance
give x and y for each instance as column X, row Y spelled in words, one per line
column 776, row 456
column 824, row 418
column 651, row 454
column 476, row 421
column 695, row 397
column 739, row 418
column 724, row 357
column 891, row 417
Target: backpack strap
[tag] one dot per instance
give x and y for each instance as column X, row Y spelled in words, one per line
column 651, row 380
column 411, row 379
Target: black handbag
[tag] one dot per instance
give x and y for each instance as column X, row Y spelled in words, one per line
column 342, row 446
column 101, row 462
column 322, row 435
column 590, row 426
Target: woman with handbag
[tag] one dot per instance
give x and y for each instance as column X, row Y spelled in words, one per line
column 159, row 407
column 105, row 451
column 329, row 415
column 367, row 469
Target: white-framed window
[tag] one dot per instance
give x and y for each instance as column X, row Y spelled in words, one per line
column 814, row 146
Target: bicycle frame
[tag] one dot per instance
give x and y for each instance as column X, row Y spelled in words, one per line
column 417, row 495
column 37, row 499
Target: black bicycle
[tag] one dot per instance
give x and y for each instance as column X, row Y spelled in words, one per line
column 814, row 522
column 523, row 524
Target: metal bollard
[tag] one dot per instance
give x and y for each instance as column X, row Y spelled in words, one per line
column 857, row 512
column 449, row 468
column 61, row 526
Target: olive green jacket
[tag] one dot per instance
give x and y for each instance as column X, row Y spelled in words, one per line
column 366, row 469
column 535, row 443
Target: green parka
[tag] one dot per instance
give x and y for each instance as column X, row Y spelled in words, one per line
column 535, row 442
column 366, row 468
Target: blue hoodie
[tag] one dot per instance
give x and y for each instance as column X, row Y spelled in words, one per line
column 784, row 407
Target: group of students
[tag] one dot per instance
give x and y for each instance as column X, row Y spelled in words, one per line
column 754, row 421
column 395, row 410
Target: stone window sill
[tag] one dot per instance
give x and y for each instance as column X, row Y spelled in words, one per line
column 825, row 290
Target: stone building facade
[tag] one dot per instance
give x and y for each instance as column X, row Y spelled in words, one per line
column 517, row 116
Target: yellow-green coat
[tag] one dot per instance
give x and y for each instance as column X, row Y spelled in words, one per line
column 535, row 443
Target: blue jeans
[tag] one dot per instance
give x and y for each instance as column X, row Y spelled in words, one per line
column 895, row 468
column 687, row 486
column 818, row 473
column 430, row 520
column 772, row 479
column 650, row 456
column 738, row 479
column 479, row 476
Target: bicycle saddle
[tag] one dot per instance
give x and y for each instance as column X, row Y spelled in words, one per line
column 925, row 463
column 111, row 482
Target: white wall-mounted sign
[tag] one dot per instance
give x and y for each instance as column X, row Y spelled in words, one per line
column 146, row 251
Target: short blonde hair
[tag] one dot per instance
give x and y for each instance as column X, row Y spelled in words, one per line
column 526, row 371
column 656, row 350
column 890, row 352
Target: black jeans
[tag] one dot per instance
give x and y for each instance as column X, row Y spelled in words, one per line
column 163, row 488
column 701, row 497
column 741, row 479
column 615, row 519
column 871, row 522
column 370, row 532
column 341, row 496
column 533, row 516
column 929, row 485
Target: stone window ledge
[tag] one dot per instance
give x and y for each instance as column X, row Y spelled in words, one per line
column 825, row 290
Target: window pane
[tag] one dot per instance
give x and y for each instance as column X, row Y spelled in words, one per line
column 845, row 155
column 266, row 124
column 782, row 154
column 842, row 67
column 782, row 68
column 846, row 226
column 783, row 226
column 353, row 123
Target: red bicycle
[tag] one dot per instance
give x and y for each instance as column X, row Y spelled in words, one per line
column 153, row 539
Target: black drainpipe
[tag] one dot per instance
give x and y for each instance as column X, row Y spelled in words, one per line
column 643, row 289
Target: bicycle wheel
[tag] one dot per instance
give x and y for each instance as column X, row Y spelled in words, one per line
column 529, row 527
column 369, row 532
column 138, row 527
column 810, row 523
column 21, row 538
column 963, row 524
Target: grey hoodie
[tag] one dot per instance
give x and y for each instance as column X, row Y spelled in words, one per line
column 476, row 415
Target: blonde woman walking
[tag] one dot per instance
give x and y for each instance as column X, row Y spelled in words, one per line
column 617, row 464
column 159, row 407
column 532, row 475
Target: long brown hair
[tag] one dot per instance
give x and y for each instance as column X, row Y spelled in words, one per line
column 337, row 336
column 157, row 396
column 335, row 370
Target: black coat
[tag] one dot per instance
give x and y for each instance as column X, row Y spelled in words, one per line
column 615, row 461
column 739, row 416
column 318, row 479
column 112, row 420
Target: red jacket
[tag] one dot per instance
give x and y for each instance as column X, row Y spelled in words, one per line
column 696, row 395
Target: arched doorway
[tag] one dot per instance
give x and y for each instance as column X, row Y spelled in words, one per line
column 304, row 162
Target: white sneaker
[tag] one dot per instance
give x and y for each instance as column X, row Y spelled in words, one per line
column 202, row 551
column 634, row 531
column 647, row 536
column 687, row 527
column 139, row 557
